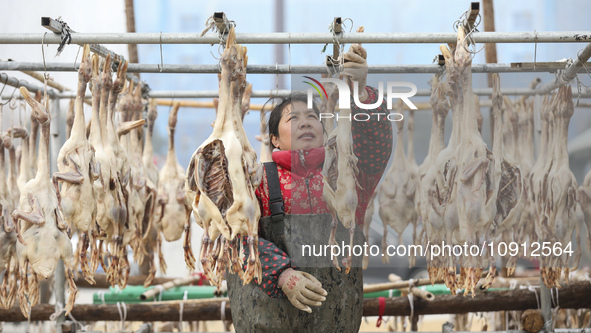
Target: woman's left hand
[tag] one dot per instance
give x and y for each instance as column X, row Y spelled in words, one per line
column 356, row 66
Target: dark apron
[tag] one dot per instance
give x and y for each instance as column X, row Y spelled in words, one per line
column 254, row 311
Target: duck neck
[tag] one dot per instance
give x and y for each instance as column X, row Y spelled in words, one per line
column 43, row 160
column 79, row 126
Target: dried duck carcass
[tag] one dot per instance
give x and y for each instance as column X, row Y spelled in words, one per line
column 136, row 190
column 397, row 193
column 41, row 229
column 559, row 215
column 150, row 234
column 585, row 203
column 226, row 173
column 508, row 191
column 173, row 209
column 340, row 176
column 111, row 205
column 465, row 171
column 431, row 218
column 77, row 171
column 8, row 263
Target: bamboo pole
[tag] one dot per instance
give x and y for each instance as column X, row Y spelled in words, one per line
column 424, row 294
column 168, row 285
column 401, row 284
column 101, row 281
column 256, row 107
column 206, row 104
column 490, row 54
column 53, row 84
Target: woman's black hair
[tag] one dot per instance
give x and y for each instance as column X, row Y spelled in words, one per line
column 277, row 112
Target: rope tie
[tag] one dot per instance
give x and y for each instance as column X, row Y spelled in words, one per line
column 223, row 311
column 560, row 74
column 102, row 296
column 58, row 311
column 533, row 288
column 160, row 292
column 579, row 83
column 122, row 308
column 411, row 285
column 381, row 309
column 209, row 25
column 512, row 284
column 82, row 327
column 66, row 36
column 463, row 21
column 181, row 308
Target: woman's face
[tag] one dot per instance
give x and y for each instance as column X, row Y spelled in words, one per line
column 299, row 128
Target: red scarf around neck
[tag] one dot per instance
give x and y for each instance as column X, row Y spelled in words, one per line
column 292, row 161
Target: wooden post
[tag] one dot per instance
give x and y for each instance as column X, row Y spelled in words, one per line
column 490, row 51
column 279, row 48
column 490, row 54
column 132, row 48
column 414, row 321
column 546, row 302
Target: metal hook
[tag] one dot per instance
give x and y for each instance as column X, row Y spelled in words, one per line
column 161, row 66
column 535, row 47
column 345, row 20
column 12, row 104
column 43, row 53
column 11, row 95
column 77, row 53
column 4, row 86
column 276, row 79
column 583, row 63
column 12, row 108
column 289, row 57
column 21, row 113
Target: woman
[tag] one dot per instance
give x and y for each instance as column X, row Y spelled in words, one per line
column 291, row 200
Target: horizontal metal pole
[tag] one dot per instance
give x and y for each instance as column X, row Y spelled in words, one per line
column 173, row 94
column 568, row 74
column 115, row 58
column 14, row 82
column 56, row 27
column 283, row 93
column 295, row 69
column 301, row 38
column 273, row 93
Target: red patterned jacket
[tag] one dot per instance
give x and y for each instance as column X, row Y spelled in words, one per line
column 301, row 186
